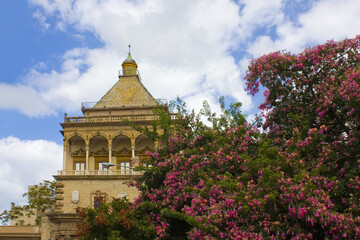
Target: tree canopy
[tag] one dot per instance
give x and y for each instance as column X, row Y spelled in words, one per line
column 41, row 197
column 296, row 179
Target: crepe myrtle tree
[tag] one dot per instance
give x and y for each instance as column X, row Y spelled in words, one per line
column 201, row 182
column 312, row 114
column 296, row 179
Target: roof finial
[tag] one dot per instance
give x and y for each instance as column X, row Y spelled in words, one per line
column 129, row 65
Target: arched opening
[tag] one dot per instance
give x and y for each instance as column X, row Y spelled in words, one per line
column 76, row 155
column 143, row 144
column 99, row 153
column 121, row 151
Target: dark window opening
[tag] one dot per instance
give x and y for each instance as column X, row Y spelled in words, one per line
column 98, row 200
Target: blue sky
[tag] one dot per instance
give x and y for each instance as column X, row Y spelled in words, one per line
column 56, row 54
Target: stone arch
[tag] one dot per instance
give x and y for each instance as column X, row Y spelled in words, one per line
column 67, row 139
column 122, row 152
column 97, row 134
column 76, row 153
column 121, row 144
column 121, row 133
column 143, row 144
column 98, row 151
column 137, row 135
column 76, row 145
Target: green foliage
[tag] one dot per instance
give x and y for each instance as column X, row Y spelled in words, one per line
column 12, row 214
column 299, row 179
column 115, row 220
column 41, row 197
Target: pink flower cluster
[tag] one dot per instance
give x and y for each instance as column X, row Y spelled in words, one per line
column 297, row 180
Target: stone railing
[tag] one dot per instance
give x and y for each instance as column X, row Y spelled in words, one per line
column 132, row 118
column 91, row 105
column 98, row 172
column 122, row 74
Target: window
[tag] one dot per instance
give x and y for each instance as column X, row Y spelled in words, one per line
column 97, row 201
column 79, row 168
column 101, row 167
column 102, row 170
column 125, row 166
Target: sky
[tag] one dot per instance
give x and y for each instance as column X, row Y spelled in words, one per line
column 56, row 54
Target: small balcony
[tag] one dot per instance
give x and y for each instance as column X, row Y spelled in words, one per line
column 129, row 72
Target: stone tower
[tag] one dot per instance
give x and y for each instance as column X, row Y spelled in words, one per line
column 94, row 142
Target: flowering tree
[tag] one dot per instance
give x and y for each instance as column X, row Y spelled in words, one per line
column 299, row 179
column 199, row 184
column 311, row 112
column 115, row 220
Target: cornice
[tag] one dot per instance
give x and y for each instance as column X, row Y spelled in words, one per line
column 101, row 124
column 93, row 177
column 64, row 217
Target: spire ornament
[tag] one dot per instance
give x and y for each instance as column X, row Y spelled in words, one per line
column 129, row 65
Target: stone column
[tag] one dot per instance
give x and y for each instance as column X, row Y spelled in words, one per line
column 64, row 157
column 132, row 155
column 132, row 148
column 110, row 151
column 87, row 157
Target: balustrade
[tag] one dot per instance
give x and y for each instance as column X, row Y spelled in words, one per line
column 115, row 118
column 98, row 172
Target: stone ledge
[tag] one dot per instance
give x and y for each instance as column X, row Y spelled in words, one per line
column 64, row 217
column 93, row 177
column 20, row 232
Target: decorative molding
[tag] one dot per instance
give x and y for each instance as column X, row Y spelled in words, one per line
column 75, row 197
column 59, row 185
column 101, row 152
column 100, row 124
column 123, row 151
column 80, row 152
column 95, row 177
column 144, row 150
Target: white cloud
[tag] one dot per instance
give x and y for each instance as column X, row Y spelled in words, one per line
column 23, row 163
column 13, row 97
column 41, row 20
column 183, row 47
column 251, row 118
column 330, row 20
column 325, row 20
column 259, row 13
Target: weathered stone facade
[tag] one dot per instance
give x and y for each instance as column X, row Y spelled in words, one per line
column 100, row 136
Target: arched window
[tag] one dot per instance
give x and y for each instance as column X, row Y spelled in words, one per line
column 121, row 147
column 99, row 153
column 77, row 151
column 143, row 144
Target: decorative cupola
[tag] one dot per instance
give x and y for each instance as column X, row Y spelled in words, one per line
column 129, row 65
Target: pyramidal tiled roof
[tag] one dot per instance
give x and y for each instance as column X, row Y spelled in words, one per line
column 127, row 92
